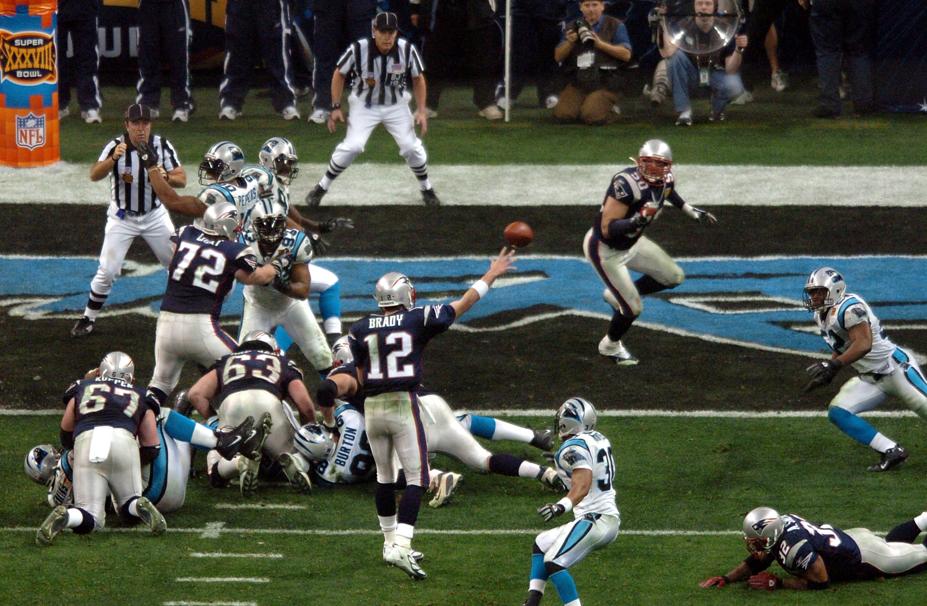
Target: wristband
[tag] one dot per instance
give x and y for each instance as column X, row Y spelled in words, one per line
column 481, row 287
column 566, row 503
column 336, row 106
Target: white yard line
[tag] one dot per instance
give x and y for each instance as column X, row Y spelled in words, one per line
column 186, row 603
column 222, row 580
column 257, row 506
column 353, row 532
column 223, row 554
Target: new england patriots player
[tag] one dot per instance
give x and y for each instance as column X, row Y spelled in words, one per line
column 101, row 422
column 615, row 244
column 854, row 335
column 816, row 554
column 585, row 463
column 207, row 261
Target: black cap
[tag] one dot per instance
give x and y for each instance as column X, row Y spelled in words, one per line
column 137, row 111
column 386, row 22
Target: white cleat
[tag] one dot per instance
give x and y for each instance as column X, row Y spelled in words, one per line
column 181, row 114
column 290, row 113
column 401, row 557
column 319, row 116
column 247, row 474
column 56, row 521
column 296, row 471
column 616, row 351
column 92, row 116
column 228, row 113
column 150, row 515
column 445, row 485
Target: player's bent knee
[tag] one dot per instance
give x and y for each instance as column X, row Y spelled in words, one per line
column 677, row 277
column 536, row 549
column 635, row 306
column 552, row 568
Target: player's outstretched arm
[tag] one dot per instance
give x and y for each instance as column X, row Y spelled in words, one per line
column 497, row 267
column 738, row 573
column 184, row 205
column 299, row 395
column 203, row 391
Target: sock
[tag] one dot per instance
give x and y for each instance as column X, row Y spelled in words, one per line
column 409, row 505
column 385, row 499
column 421, row 173
column 906, row 532
column 646, row 285
column 527, row 469
column 404, row 534
column 228, row 469
column 326, row 181
column 482, row 427
column 505, row 464
column 94, row 304
column 133, row 507
column 332, row 326
column 686, row 114
column 388, row 526
column 619, row 325
column 75, row 517
column 186, row 429
column 881, row 443
column 538, row 572
column 330, row 308
column 566, row 587
column 852, row 425
column 213, row 422
column 159, row 395
column 86, row 525
column 921, row 521
column 508, row 431
column 284, row 341
column 400, row 480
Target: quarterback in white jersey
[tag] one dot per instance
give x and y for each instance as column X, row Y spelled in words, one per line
column 586, row 465
column 854, row 334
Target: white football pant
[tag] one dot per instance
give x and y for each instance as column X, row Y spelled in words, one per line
column 300, row 323
column 255, row 402
column 905, row 381
column 445, row 434
column 393, row 422
column 593, row 531
column 180, row 338
column 119, row 474
column 890, row 558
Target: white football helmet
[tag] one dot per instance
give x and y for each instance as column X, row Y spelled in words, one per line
column 574, row 416
column 279, row 157
column 341, row 351
column 117, row 365
column 827, row 279
column 395, row 289
column 762, row 528
column 313, row 442
column 258, row 339
column 221, row 162
column 655, row 161
column 40, row 463
column 221, row 220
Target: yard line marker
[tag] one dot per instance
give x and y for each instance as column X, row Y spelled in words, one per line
column 212, row 530
column 223, row 554
column 257, row 506
column 185, row 603
column 222, row 580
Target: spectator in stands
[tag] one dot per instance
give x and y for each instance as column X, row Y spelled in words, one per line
column 256, row 29
column 591, row 52
column 164, row 35
column 78, row 19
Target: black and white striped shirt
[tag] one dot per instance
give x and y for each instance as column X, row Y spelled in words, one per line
column 129, row 186
column 380, row 79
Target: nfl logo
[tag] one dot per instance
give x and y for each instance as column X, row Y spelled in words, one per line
column 30, row 131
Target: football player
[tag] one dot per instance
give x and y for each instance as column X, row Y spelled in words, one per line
column 854, row 335
column 616, row 243
column 585, row 464
column 816, row 554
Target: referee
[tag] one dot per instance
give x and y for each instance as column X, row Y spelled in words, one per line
column 134, row 209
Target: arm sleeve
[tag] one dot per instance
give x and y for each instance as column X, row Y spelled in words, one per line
column 416, row 67
column 245, row 259
column 169, row 158
column 758, row 565
column 437, row 318
column 70, row 392
column 346, row 61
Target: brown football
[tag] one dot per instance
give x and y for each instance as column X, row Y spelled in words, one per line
column 518, row 234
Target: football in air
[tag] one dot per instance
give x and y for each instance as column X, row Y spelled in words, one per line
column 518, row 234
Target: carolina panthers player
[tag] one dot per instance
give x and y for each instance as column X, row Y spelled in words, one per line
column 853, row 333
column 615, row 244
column 586, row 465
column 283, row 303
column 816, row 554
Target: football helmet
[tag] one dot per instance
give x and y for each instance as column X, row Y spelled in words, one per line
column 341, row 351
column 40, row 463
column 655, row 161
column 574, row 416
column 258, row 339
column 313, row 442
column 279, row 157
column 269, row 226
column 221, row 220
column 221, row 162
column 117, row 365
column 395, row 289
column 762, row 528
column 824, row 278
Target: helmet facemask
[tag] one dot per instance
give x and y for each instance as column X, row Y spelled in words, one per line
column 270, row 230
column 654, row 169
column 211, row 170
column 812, row 303
column 285, row 168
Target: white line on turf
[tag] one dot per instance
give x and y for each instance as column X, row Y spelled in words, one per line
column 354, row 532
column 257, row 506
column 223, row 554
column 222, row 580
column 185, row 603
column 212, row 530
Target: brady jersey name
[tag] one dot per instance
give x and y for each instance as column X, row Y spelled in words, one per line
column 244, row 191
column 351, row 461
column 628, row 187
column 296, row 246
column 202, row 271
column 388, row 348
column 589, row 450
column 802, row 543
column 256, row 369
column 111, row 402
column 835, row 324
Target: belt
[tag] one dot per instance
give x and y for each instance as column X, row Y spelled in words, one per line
column 125, row 212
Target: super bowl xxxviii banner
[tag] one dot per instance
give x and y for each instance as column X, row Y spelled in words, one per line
column 750, row 302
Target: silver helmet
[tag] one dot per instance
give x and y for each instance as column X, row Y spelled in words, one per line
column 762, row 528
column 258, row 339
column 574, row 416
column 655, row 161
column 268, row 225
column 40, row 463
column 341, row 351
column 828, row 279
column 117, row 365
column 221, row 220
column 395, row 289
column 279, row 157
column 313, row 442
column 221, row 162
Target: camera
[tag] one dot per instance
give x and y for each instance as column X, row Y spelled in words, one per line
column 584, row 31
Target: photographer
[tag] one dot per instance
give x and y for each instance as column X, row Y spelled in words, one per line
column 592, row 51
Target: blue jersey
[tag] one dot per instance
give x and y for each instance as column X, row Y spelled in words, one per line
column 111, row 402
column 802, row 543
column 628, row 187
column 202, row 271
column 388, row 349
column 256, row 369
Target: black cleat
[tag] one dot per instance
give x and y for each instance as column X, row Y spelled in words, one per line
column 231, row 441
column 255, row 442
column 543, row 439
column 82, row 327
column 215, row 480
column 430, row 198
column 891, row 458
column 314, row 198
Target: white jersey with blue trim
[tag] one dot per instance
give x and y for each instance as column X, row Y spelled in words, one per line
column 297, row 247
column 351, row 461
column 589, row 450
column 835, row 324
column 243, row 191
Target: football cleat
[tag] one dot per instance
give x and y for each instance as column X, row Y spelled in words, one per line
column 445, row 485
column 82, row 327
column 543, row 439
column 228, row 113
column 551, row 479
column 247, row 475
column 891, row 458
column 401, row 557
column 418, row 556
column 56, row 521
column 255, row 442
column 150, row 515
column 430, row 198
column 314, row 198
column 230, row 441
column 616, row 351
column 296, row 471
column 216, row 480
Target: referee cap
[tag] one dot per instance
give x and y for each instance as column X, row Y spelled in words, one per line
column 386, row 22
column 137, row 111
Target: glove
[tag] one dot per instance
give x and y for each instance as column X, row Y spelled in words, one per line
column 765, row 580
column 319, row 246
column 279, row 284
column 551, row 511
column 704, row 217
column 331, row 225
column 146, row 155
column 822, row 373
column 640, row 220
column 281, row 264
column 718, row 582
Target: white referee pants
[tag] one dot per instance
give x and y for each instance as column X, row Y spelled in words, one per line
column 119, row 473
column 155, row 227
column 298, row 321
column 398, row 121
column 180, row 338
column 445, row 434
column 890, row 558
column 905, row 381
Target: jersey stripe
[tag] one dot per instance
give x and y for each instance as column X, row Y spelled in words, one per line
column 362, row 64
column 843, row 310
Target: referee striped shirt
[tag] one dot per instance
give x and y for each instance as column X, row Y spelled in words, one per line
column 130, row 189
column 379, row 79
